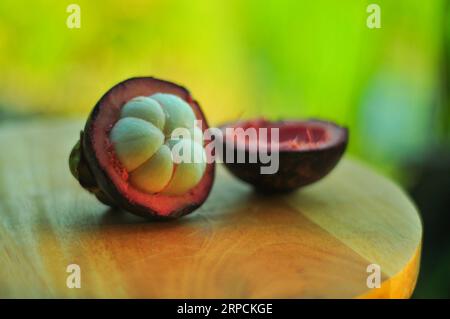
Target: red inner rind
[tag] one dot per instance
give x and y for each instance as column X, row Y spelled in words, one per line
column 108, row 114
column 293, row 135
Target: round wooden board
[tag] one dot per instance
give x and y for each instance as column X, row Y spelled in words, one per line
column 314, row 243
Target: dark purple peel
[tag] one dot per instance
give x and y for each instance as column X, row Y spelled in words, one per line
column 300, row 163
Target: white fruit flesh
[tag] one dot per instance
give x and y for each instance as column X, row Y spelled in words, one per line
column 191, row 160
column 178, row 113
column 156, row 162
column 155, row 173
column 135, row 141
column 145, row 108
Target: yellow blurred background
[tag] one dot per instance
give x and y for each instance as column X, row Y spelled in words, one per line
column 239, row 58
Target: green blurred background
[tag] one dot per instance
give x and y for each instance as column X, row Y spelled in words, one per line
column 246, row 58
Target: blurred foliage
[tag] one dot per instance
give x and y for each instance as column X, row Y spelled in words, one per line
column 244, row 58
column 239, row 58
column 431, row 193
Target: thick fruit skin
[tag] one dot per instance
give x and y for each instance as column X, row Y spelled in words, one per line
column 296, row 168
column 81, row 171
column 97, row 179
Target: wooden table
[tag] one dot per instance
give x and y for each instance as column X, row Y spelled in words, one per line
column 317, row 242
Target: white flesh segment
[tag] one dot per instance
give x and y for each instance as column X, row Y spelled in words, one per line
column 135, row 141
column 145, row 108
column 189, row 171
column 155, row 173
column 178, row 112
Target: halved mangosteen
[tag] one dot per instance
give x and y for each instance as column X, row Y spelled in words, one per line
column 125, row 154
column 307, row 151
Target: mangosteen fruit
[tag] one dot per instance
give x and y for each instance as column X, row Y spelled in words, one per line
column 142, row 150
column 301, row 151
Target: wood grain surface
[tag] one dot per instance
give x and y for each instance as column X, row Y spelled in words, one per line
column 314, row 243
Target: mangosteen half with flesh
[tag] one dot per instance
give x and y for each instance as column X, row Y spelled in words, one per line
column 307, row 151
column 125, row 154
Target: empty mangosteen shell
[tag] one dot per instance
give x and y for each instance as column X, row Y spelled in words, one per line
column 86, row 168
column 297, row 168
